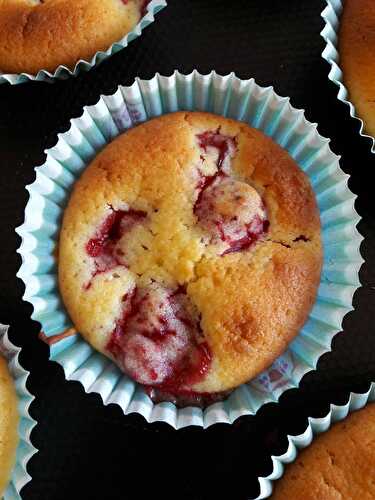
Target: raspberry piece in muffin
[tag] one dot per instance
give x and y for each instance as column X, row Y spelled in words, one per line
column 222, row 146
column 158, row 340
column 103, row 247
column 216, row 280
column 232, row 212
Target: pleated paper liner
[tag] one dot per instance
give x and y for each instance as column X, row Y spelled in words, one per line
column 99, row 124
column 315, row 426
column 63, row 72
column 331, row 15
column 25, row 449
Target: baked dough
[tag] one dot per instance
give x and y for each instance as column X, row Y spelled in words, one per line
column 8, row 425
column 190, row 252
column 357, row 57
column 37, row 35
column 339, row 464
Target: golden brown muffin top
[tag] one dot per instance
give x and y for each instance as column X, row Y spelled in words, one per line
column 357, row 57
column 37, row 35
column 198, row 225
column 8, row 425
column 338, row 465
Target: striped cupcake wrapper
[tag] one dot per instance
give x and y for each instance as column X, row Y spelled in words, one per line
column 315, row 426
column 62, row 72
column 331, row 15
column 224, row 95
column 25, row 449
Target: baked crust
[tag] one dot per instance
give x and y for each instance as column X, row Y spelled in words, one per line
column 38, row 35
column 252, row 302
column 357, row 57
column 338, row 464
column 8, row 425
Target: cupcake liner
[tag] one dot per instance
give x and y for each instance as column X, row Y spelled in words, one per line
column 98, row 125
column 63, row 72
column 25, row 449
column 315, row 426
column 331, row 15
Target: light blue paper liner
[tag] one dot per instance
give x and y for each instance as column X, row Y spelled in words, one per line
column 315, row 426
column 63, row 72
column 25, row 449
column 98, row 125
column 331, row 15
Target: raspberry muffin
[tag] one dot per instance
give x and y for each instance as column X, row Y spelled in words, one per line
column 8, row 425
column 338, row 465
column 190, row 253
column 45, row 34
column 357, row 57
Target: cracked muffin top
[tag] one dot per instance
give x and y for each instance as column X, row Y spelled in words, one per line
column 190, row 252
column 8, row 425
column 339, row 464
column 43, row 34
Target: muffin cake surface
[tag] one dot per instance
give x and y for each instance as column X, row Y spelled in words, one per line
column 38, row 35
column 190, row 252
column 357, row 57
column 339, row 464
column 8, row 425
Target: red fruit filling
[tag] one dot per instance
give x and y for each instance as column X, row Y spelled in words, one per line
column 158, row 340
column 225, row 145
column 143, row 6
column 253, row 231
column 103, row 247
column 231, row 211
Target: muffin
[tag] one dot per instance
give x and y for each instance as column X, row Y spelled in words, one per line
column 8, row 425
column 190, row 253
column 38, row 35
column 338, row 465
column 357, row 57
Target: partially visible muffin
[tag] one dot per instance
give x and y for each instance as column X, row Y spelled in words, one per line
column 338, row 465
column 38, row 35
column 357, row 57
column 190, row 252
column 8, row 425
